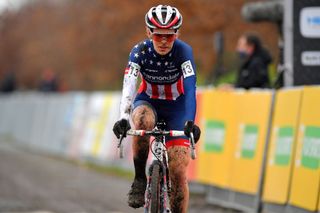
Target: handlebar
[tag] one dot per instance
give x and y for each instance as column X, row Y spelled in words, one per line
column 156, row 132
column 174, row 133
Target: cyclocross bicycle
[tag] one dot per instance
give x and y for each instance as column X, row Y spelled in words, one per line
column 159, row 185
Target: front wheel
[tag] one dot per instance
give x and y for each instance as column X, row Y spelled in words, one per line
column 155, row 189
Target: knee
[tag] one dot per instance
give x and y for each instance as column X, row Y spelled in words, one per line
column 143, row 117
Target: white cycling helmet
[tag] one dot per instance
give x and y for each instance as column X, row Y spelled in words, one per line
column 163, row 17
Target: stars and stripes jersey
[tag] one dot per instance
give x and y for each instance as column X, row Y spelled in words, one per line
column 168, row 79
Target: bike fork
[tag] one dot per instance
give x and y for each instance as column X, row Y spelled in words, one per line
column 147, row 195
column 166, row 203
column 164, row 195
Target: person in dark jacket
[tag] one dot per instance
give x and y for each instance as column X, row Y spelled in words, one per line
column 253, row 71
column 8, row 83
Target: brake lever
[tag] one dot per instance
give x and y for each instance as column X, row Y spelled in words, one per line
column 120, row 147
column 192, row 144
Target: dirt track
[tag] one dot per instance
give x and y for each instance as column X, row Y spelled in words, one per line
column 36, row 183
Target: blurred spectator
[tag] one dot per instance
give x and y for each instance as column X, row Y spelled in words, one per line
column 8, row 84
column 48, row 82
column 254, row 61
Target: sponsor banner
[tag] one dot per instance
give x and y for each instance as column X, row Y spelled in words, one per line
column 249, row 140
column 214, row 137
column 95, row 109
column 105, row 141
column 282, row 146
column 284, row 143
column 252, row 114
column 218, row 138
column 306, row 173
column 98, row 139
column 310, row 58
column 100, row 125
column 311, row 147
column 310, row 22
column 78, row 125
column 306, row 42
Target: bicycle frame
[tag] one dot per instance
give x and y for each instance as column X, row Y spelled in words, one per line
column 160, row 157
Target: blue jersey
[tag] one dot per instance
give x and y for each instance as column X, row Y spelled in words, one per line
column 167, row 81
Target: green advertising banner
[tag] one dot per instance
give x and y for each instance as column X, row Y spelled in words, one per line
column 249, row 141
column 311, row 147
column 214, row 137
column 284, row 142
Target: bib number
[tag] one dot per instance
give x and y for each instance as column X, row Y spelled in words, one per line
column 187, row 69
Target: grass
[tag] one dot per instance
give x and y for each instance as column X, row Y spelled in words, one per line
column 109, row 170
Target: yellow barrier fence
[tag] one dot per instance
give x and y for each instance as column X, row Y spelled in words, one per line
column 235, row 129
column 252, row 111
column 306, row 174
column 217, row 138
column 282, row 146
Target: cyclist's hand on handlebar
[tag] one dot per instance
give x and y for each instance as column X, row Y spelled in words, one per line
column 191, row 127
column 121, row 127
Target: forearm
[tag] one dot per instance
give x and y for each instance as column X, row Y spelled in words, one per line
column 126, row 100
column 128, row 90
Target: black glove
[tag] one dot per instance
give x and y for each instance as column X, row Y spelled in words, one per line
column 121, row 127
column 191, row 127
